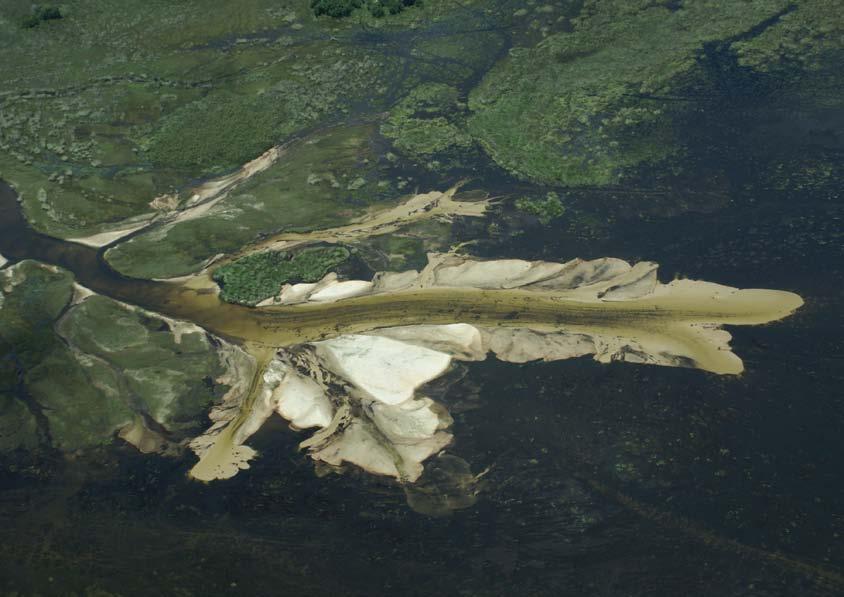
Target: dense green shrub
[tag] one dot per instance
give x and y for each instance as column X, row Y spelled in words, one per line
column 257, row 277
column 42, row 13
column 343, row 8
column 335, row 8
column 379, row 7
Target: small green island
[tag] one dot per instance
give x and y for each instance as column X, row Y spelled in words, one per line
column 260, row 276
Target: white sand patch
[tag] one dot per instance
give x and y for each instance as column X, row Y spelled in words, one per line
column 503, row 273
column 394, row 281
column 290, row 295
column 408, row 422
column 341, row 290
column 381, row 368
column 362, row 445
column 81, row 293
column 303, row 402
column 459, row 340
column 600, row 279
column 106, row 238
column 359, row 446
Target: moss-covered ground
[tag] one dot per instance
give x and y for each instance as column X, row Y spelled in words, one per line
column 740, row 101
column 31, row 298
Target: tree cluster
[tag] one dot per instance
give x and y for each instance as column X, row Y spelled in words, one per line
column 343, row 8
column 41, row 13
column 259, row 276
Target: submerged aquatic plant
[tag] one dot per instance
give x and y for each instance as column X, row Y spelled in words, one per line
column 545, row 209
column 429, row 122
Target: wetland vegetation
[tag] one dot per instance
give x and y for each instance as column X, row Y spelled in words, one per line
column 200, row 193
column 545, row 209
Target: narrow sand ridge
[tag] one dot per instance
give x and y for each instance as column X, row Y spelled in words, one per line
column 422, row 206
column 582, row 295
column 106, row 238
column 201, row 199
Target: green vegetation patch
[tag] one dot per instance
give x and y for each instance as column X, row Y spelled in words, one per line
column 810, row 36
column 118, row 103
column 32, row 297
column 260, row 276
column 125, row 102
column 163, row 372
column 18, row 428
column 344, row 8
column 80, row 397
column 41, row 14
column 546, row 208
column 319, row 183
column 427, row 122
column 230, row 126
column 93, row 367
column 587, row 106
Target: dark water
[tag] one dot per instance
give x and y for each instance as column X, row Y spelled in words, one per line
column 19, row 241
column 604, row 479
